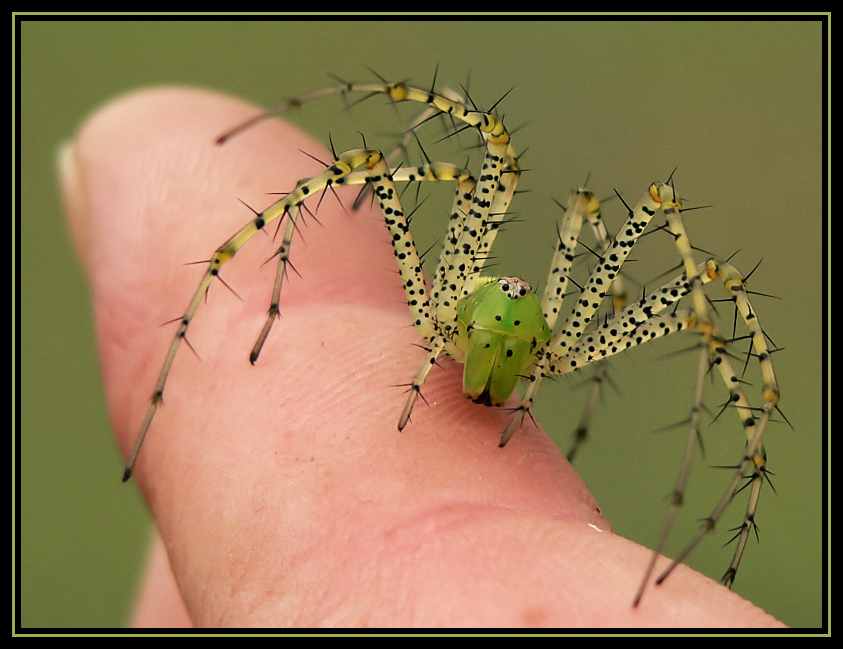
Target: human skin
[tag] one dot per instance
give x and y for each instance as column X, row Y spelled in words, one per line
column 283, row 493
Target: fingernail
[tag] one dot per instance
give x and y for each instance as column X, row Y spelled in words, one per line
column 74, row 197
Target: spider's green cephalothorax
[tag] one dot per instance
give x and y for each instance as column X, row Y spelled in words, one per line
column 499, row 327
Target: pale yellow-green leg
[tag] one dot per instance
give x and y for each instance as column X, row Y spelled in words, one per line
column 409, row 264
column 334, row 174
column 280, row 273
column 589, row 300
column 712, row 350
column 437, row 346
column 446, row 102
column 754, row 457
column 459, row 258
column 618, row 295
column 504, row 194
column 583, row 426
column 637, row 323
column 706, row 329
column 582, row 204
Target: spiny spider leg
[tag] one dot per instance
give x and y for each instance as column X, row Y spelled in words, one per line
column 582, row 204
column 334, row 174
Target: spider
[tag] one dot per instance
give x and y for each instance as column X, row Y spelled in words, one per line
column 501, row 330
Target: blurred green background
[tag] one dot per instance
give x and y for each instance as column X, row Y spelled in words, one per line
column 736, row 106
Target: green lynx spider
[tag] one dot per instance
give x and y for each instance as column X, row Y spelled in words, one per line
column 498, row 327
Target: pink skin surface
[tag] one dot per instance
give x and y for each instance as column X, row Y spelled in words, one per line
column 284, row 495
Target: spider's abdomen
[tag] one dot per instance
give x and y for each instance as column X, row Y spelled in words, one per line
column 499, row 327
